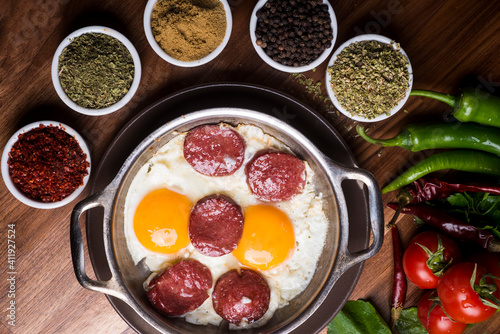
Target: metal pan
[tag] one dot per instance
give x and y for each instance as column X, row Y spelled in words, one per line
column 126, row 278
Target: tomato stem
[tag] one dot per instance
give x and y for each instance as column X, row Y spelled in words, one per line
column 485, row 290
column 436, row 261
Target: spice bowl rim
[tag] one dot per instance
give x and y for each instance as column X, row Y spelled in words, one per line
column 333, row 98
column 13, row 188
column 292, row 69
column 160, row 52
column 125, row 99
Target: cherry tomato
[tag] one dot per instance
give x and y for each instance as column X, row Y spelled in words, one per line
column 436, row 322
column 459, row 299
column 423, row 262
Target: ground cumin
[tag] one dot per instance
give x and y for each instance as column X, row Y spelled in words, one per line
column 188, row 30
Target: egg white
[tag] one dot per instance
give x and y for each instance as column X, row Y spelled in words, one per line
column 168, row 169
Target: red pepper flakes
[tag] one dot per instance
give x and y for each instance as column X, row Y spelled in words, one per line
column 47, row 164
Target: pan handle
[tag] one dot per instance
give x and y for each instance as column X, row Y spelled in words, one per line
column 111, row 287
column 339, row 173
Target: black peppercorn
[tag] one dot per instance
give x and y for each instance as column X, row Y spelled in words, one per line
column 294, row 33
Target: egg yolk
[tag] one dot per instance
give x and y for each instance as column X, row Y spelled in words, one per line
column 268, row 238
column 161, row 221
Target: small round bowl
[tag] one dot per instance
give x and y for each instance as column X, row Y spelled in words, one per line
column 133, row 88
column 367, row 37
column 13, row 188
column 156, row 47
column 281, row 67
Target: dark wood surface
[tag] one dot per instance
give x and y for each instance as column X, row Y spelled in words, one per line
column 450, row 44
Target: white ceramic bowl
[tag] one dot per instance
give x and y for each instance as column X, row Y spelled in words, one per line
column 149, row 36
column 13, row 188
column 279, row 66
column 117, row 105
column 367, row 37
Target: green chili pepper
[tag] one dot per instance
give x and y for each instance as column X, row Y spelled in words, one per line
column 462, row 160
column 470, row 105
column 418, row 137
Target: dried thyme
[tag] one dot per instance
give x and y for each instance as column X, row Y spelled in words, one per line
column 311, row 87
column 369, row 78
column 314, row 88
column 96, row 70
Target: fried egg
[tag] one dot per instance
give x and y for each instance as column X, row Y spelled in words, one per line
column 282, row 241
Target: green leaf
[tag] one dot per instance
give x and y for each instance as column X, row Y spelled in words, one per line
column 358, row 317
column 408, row 322
column 481, row 204
column 458, row 200
column 479, row 209
column 488, row 205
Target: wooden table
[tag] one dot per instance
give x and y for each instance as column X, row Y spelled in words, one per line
column 450, row 43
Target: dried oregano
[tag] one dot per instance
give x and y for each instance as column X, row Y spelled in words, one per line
column 96, row 70
column 369, row 78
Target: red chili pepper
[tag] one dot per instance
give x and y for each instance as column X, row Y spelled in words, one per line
column 453, row 227
column 399, row 279
column 423, row 190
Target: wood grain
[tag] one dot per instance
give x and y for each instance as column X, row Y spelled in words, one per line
column 450, row 43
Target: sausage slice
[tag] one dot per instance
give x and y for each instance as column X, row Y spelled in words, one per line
column 215, row 225
column 181, row 288
column 213, row 150
column 276, row 176
column 241, row 297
